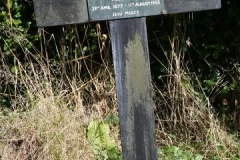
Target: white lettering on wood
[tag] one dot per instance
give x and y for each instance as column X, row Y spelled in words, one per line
column 124, row 8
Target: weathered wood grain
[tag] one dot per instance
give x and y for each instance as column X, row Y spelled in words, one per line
column 179, row 6
column 134, row 90
column 60, row 12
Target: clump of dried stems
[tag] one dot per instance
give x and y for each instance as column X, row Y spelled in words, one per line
column 184, row 113
column 53, row 99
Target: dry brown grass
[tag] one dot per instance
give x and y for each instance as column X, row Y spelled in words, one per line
column 49, row 131
column 53, row 102
column 184, row 113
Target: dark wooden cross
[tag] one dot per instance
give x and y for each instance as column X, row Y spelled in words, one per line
column 130, row 54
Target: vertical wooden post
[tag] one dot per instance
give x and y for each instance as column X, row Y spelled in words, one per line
column 134, row 90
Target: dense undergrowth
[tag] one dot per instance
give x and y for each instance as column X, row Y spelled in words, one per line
column 58, row 98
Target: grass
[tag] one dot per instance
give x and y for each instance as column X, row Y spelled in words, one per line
column 49, row 131
column 52, row 109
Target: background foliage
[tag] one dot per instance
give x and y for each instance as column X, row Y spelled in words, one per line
column 194, row 60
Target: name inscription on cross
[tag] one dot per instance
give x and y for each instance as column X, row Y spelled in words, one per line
column 130, row 56
column 119, row 9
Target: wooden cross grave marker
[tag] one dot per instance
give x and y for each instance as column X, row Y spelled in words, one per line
column 130, row 55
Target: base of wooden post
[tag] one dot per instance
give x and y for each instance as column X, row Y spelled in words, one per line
column 134, row 89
